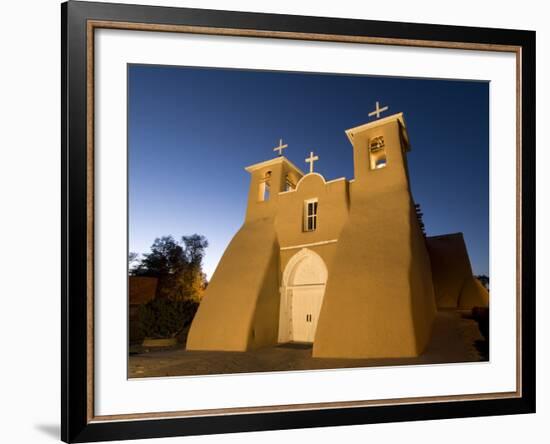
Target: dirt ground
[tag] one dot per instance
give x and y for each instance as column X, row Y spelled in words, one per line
column 453, row 340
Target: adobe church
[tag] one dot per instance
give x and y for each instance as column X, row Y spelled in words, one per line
column 342, row 264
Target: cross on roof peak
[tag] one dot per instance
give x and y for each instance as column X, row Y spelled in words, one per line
column 377, row 111
column 281, row 147
column 310, row 160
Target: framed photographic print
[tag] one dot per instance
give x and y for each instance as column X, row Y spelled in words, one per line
column 275, row 221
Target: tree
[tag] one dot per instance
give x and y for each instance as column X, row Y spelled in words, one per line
column 420, row 217
column 177, row 265
column 133, row 261
column 193, row 278
column 165, row 318
column 194, row 249
column 166, row 257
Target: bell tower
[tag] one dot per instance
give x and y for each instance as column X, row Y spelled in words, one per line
column 267, row 180
column 379, row 154
column 383, row 246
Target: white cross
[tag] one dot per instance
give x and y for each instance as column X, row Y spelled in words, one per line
column 281, row 147
column 378, row 110
column 310, row 160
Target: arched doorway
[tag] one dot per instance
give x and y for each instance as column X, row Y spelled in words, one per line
column 302, row 292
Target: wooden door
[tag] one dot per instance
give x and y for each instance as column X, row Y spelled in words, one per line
column 316, row 300
column 306, row 306
column 300, row 310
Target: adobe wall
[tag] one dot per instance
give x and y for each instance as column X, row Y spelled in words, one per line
column 332, row 214
column 454, row 284
column 239, row 310
column 379, row 299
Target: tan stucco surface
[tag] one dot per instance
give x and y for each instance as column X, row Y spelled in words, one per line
column 378, row 300
column 454, row 283
column 236, row 310
column 473, row 294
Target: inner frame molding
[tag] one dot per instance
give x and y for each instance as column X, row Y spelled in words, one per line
column 92, row 25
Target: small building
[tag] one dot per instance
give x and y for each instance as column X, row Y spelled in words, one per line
column 453, row 280
column 141, row 289
column 342, row 264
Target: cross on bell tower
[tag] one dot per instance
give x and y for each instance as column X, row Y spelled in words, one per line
column 281, row 147
column 377, row 111
column 310, row 160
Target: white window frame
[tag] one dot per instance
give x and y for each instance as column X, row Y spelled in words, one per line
column 313, row 216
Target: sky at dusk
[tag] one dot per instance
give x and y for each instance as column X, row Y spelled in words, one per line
column 191, row 132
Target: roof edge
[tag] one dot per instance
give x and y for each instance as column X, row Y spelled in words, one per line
column 365, row 126
column 275, row 161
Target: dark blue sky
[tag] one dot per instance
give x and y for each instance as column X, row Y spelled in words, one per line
column 192, row 131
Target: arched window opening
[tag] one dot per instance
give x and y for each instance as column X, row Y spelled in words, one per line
column 377, row 153
column 289, row 183
column 263, row 191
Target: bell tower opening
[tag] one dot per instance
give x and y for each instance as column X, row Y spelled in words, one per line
column 264, row 188
column 268, row 179
column 377, row 153
column 377, row 145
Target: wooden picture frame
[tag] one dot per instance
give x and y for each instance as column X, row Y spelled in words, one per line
column 79, row 22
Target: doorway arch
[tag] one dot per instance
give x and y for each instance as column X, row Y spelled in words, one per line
column 302, row 291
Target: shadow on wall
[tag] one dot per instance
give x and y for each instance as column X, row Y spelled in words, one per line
column 238, row 311
column 423, row 303
column 453, row 280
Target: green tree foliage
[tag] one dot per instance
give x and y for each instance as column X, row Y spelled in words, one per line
column 177, row 265
column 194, row 249
column 165, row 318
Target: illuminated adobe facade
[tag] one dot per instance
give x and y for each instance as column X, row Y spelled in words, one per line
column 342, row 264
